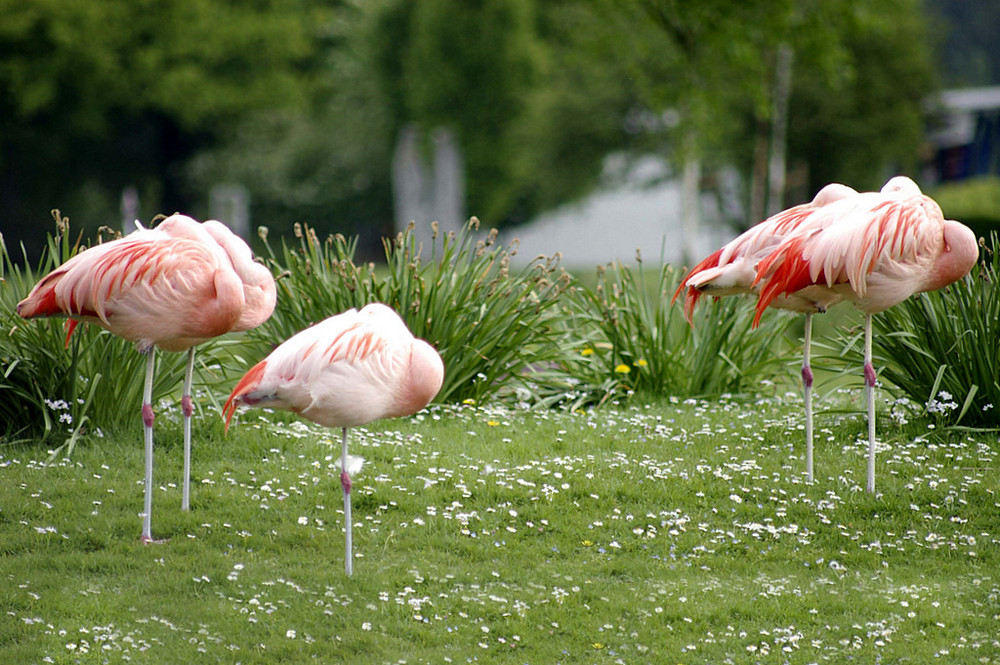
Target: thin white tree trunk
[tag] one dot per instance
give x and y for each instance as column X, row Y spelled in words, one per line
column 779, row 129
column 425, row 193
column 449, row 180
column 409, row 179
column 690, row 203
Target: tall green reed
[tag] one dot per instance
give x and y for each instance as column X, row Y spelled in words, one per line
column 639, row 343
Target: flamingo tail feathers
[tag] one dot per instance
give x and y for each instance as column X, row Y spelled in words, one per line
column 693, row 294
column 42, row 300
column 71, row 325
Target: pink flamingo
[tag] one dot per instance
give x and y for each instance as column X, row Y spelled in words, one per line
column 345, row 371
column 732, row 270
column 172, row 287
column 876, row 250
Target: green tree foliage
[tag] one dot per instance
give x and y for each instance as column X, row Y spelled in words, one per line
column 99, row 94
column 857, row 113
column 469, row 66
column 300, row 100
column 861, row 72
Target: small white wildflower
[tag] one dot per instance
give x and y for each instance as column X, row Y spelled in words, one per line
column 290, row 634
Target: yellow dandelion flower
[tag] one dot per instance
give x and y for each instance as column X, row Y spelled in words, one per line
column 641, row 363
column 492, row 423
column 598, row 645
column 587, row 352
column 623, row 369
column 587, row 543
column 469, row 401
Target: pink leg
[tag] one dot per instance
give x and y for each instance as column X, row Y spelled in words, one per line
column 870, row 393
column 807, row 382
column 147, row 421
column 188, row 409
column 345, row 482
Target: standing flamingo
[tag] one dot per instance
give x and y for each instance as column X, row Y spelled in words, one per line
column 876, row 250
column 174, row 287
column 732, row 270
column 345, row 371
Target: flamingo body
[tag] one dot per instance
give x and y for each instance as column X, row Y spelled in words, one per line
column 174, row 286
column 347, row 370
column 171, row 287
column 875, row 250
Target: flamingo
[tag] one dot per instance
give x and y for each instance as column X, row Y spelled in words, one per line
column 732, row 270
column 345, row 371
column 173, row 287
column 875, row 250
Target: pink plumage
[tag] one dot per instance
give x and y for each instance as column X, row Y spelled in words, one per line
column 171, row 287
column 731, row 270
column 875, row 250
column 174, row 286
column 347, row 370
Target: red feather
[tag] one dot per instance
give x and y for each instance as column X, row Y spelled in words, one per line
column 246, row 385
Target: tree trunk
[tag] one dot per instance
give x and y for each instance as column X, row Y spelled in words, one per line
column 449, row 180
column 425, row 193
column 690, row 203
column 758, row 177
column 409, row 178
column 779, row 129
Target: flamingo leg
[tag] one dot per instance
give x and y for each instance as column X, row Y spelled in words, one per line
column 187, row 408
column 807, row 382
column 147, row 421
column 345, row 482
column 870, row 394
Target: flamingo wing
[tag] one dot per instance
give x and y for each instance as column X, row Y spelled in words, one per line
column 730, row 270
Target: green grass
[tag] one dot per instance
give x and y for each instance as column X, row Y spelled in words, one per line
column 675, row 532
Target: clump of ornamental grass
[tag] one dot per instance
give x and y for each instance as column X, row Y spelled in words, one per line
column 494, row 325
column 55, row 392
column 639, row 343
column 942, row 349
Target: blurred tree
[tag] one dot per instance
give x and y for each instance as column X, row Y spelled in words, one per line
column 96, row 95
column 857, row 115
column 859, row 73
column 303, row 101
column 464, row 69
column 326, row 163
column 969, row 34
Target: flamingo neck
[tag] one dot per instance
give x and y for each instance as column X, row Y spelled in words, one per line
column 961, row 253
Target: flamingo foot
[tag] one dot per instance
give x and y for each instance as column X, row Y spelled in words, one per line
column 149, row 540
column 345, row 482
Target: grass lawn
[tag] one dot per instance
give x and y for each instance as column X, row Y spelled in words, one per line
column 676, row 532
